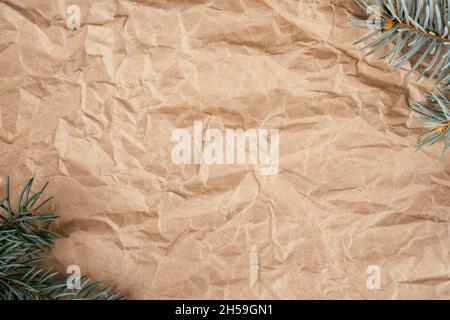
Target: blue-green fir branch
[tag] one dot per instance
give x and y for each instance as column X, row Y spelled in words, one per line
column 414, row 31
column 25, row 236
column 435, row 114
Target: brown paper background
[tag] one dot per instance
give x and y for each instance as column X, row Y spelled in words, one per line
column 92, row 110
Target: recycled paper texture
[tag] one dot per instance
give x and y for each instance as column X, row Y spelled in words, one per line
column 91, row 92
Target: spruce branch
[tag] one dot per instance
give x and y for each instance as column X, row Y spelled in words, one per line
column 415, row 31
column 436, row 116
column 418, row 32
column 25, row 236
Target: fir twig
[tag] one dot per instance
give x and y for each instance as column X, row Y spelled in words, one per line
column 24, row 237
column 436, row 116
column 415, row 31
column 410, row 31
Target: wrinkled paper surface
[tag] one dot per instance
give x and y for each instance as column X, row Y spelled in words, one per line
column 92, row 110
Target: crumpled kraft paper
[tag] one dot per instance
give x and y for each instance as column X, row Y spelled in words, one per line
column 91, row 110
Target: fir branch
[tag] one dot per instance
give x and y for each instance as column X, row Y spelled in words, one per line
column 436, row 116
column 415, row 31
column 25, row 236
column 418, row 32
